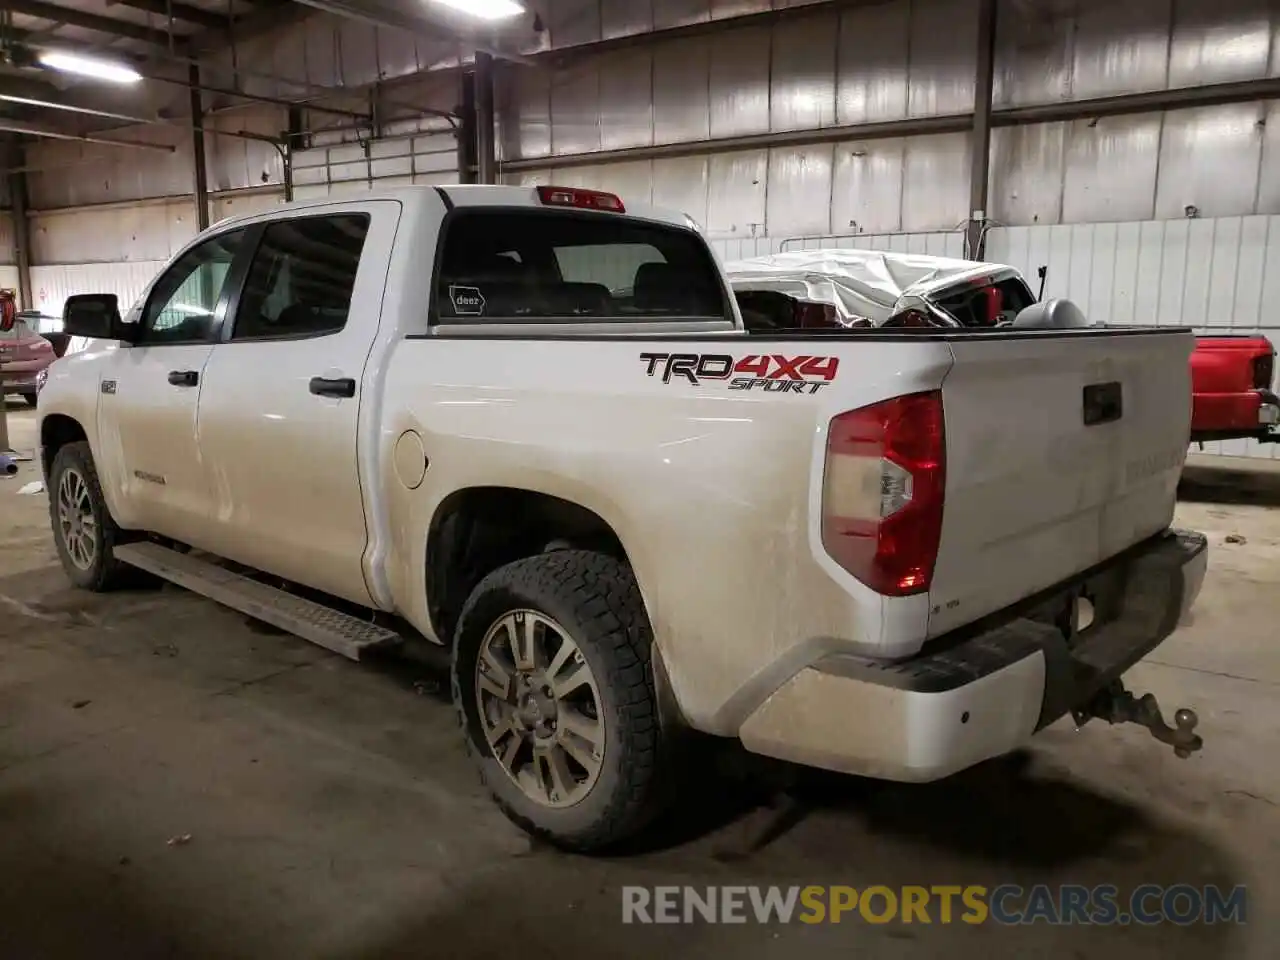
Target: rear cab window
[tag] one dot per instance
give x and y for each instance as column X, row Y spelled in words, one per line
column 529, row 265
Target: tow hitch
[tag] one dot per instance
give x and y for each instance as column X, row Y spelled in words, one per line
column 1115, row 704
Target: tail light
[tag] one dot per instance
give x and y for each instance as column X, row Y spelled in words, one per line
column 582, row 199
column 882, row 492
column 1263, row 368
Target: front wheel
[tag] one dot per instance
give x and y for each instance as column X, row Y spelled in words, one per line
column 554, row 687
column 83, row 531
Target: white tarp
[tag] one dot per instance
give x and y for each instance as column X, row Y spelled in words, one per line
column 860, row 284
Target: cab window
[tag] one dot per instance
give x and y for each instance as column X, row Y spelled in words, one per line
column 539, row 265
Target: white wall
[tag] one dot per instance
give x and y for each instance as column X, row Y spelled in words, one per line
column 1216, row 275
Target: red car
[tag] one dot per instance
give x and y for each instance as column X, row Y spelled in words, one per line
column 1231, row 386
column 24, row 356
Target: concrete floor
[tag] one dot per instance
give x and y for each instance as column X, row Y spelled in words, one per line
column 331, row 811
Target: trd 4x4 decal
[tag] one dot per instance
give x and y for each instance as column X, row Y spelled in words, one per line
column 772, row 373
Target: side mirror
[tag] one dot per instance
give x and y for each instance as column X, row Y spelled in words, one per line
column 95, row 315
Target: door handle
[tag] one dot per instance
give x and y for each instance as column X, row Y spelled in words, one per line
column 341, row 387
column 184, row 378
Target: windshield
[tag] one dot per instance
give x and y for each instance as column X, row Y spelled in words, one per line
column 503, row 264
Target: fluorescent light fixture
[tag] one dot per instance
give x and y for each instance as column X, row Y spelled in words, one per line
column 89, row 67
column 486, row 9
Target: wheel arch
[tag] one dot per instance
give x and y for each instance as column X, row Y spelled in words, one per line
column 475, row 530
column 56, row 431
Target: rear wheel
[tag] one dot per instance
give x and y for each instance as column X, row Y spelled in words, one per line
column 554, row 687
column 83, row 531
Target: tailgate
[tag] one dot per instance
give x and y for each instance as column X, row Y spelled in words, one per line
column 1063, row 449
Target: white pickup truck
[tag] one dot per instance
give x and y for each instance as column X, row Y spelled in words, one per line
column 528, row 424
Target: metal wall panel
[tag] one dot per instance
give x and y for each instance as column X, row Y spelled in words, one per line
column 681, row 83
column 1120, row 47
column 626, row 101
column 1218, row 42
column 935, row 186
column 1035, row 45
column 874, row 57
column 76, row 174
column 1217, row 274
column 624, row 18
column 575, row 109
column 244, row 204
column 1111, row 167
column 8, row 277
column 1210, row 157
column 740, row 82
column 866, row 195
column 799, row 190
column 944, row 57
column 803, row 81
column 235, row 163
column 53, row 284
column 738, row 186
column 1027, row 168
column 8, row 249
column 152, row 231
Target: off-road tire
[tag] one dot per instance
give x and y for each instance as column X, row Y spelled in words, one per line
column 105, row 572
column 596, row 599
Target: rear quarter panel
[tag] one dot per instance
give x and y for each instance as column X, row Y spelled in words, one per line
column 713, row 492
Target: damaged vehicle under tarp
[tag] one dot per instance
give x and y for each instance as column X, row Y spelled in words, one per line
column 870, row 288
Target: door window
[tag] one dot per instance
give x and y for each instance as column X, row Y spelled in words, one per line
column 302, row 277
column 182, row 308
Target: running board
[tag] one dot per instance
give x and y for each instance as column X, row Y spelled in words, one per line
column 332, row 629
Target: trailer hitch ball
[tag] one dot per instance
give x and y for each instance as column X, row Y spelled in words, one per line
column 1115, row 704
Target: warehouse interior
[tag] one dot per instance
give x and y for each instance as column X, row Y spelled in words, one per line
column 180, row 781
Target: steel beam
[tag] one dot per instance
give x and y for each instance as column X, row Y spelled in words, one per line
column 1206, row 95
column 980, row 163
column 90, row 21
column 255, row 97
column 10, row 126
column 383, row 17
column 486, row 155
column 952, row 123
column 179, row 11
column 200, row 161
column 21, row 233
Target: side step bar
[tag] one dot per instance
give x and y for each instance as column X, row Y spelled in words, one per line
column 331, row 629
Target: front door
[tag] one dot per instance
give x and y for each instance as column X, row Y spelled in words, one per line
column 148, row 429
column 281, row 398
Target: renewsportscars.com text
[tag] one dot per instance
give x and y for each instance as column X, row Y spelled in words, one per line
column 1008, row 904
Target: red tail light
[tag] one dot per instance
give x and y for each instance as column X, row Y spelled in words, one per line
column 1263, row 367
column 582, row 199
column 882, row 492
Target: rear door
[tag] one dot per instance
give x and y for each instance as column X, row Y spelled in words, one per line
column 282, row 393
column 1062, row 451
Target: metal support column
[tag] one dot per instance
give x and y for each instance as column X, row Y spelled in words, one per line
column 197, row 148
column 22, row 253
column 980, row 171
column 486, row 154
column 293, row 141
column 466, row 130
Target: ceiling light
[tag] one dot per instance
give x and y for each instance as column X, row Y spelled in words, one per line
column 89, row 67
column 486, row 9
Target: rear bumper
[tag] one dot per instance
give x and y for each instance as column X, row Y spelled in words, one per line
column 21, row 376
column 1232, row 416
column 980, row 694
